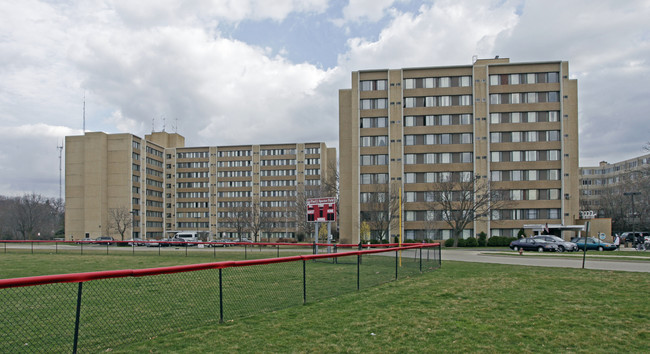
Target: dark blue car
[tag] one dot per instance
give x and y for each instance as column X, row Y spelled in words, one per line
column 531, row 244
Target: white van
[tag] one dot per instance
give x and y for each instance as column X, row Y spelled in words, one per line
column 187, row 236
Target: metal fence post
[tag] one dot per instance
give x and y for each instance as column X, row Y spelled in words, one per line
column 56, row 247
column 107, row 243
column 245, row 252
column 78, row 316
column 82, row 248
column 278, row 255
column 420, row 260
column 396, row 263
column 304, row 282
column 439, row 255
column 32, row 247
column 220, row 296
column 358, row 263
column 185, row 249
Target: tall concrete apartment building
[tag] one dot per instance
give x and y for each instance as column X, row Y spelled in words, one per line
column 168, row 187
column 595, row 180
column 512, row 124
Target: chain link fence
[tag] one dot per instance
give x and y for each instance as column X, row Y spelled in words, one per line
column 90, row 312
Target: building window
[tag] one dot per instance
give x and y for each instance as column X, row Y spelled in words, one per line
column 374, row 122
column 379, row 140
column 373, row 85
column 374, row 103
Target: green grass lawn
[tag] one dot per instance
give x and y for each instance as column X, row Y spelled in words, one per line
column 120, row 311
column 462, row 307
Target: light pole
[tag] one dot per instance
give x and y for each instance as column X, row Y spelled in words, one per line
column 133, row 213
column 631, row 195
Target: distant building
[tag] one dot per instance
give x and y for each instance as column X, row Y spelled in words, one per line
column 597, row 180
column 513, row 124
column 169, row 187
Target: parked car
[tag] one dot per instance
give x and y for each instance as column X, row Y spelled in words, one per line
column 177, row 241
column 562, row 245
column 152, row 243
column 165, row 242
column 593, row 244
column 86, row 240
column 531, row 244
column 224, row 242
column 104, row 240
column 138, row 242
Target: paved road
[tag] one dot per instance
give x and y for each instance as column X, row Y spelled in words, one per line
column 574, row 260
column 627, row 264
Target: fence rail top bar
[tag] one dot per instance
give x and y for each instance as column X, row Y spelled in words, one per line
column 83, row 277
column 237, row 243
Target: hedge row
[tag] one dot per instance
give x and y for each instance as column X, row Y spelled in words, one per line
column 494, row 241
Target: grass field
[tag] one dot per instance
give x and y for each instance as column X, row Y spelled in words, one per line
column 125, row 310
column 462, row 307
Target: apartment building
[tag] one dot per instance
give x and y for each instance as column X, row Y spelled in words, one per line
column 224, row 191
column 513, row 125
column 597, row 181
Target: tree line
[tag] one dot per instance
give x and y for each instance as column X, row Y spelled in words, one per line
column 31, row 217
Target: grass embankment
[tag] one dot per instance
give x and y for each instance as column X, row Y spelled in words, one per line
column 462, row 307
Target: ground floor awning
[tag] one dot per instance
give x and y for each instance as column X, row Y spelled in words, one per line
column 539, row 228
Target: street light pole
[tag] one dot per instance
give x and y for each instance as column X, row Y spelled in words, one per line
column 631, row 195
column 133, row 212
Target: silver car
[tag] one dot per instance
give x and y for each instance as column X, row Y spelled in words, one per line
column 562, row 245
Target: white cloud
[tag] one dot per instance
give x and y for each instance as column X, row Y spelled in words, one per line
column 365, row 10
column 445, row 33
column 138, row 61
column 607, row 44
column 142, row 14
column 29, row 158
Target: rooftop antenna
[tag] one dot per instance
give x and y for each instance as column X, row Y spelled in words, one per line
column 84, row 113
column 176, row 125
column 60, row 148
column 153, row 125
column 164, row 121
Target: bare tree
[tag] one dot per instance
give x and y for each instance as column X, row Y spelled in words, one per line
column 34, row 215
column 330, row 185
column 380, row 209
column 239, row 219
column 120, row 219
column 614, row 204
column 463, row 201
column 259, row 222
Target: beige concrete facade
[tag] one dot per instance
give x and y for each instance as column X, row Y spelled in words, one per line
column 513, row 124
column 595, row 179
column 170, row 187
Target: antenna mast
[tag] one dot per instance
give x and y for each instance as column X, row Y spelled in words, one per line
column 84, row 113
column 60, row 148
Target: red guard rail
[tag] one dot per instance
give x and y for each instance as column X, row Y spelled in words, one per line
column 83, row 277
column 97, row 311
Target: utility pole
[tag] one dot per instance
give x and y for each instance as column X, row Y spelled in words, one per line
column 60, row 148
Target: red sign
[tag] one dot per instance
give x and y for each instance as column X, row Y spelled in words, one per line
column 321, row 209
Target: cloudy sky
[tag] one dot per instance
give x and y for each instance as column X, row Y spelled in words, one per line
column 226, row 72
